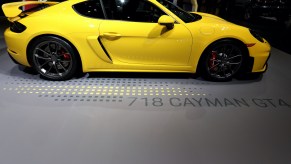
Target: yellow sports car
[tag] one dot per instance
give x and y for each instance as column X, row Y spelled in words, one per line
column 60, row 39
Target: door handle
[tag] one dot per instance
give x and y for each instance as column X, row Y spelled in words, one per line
column 111, row 35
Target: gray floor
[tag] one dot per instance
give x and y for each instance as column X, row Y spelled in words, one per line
column 164, row 120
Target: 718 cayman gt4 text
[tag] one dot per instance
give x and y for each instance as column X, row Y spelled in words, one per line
column 59, row 39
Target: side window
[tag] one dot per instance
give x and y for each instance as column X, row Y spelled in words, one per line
column 132, row 10
column 90, row 9
column 147, row 12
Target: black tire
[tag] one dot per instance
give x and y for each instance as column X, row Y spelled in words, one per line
column 53, row 58
column 222, row 60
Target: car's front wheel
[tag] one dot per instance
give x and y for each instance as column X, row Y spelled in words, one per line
column 222, row 60
column 53, row 58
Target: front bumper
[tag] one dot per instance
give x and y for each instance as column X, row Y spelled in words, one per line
column 251, row 68
column 259, row 56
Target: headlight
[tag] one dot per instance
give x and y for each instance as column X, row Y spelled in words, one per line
column 257, row 35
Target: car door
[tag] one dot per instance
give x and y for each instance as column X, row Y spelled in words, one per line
column 133, row 36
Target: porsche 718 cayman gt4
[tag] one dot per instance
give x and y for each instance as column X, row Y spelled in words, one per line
column 60, row 39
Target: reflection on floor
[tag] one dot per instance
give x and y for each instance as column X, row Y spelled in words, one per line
column 156, row 119
column 146, row 90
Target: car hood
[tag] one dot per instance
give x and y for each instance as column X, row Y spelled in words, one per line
column 206, row 15
column 209, row 18
column 210, row 24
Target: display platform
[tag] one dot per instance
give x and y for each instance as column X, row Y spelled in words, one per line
column 145, row 119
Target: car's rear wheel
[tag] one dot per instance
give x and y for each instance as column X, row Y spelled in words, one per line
column 53, row 58
column 222, row 60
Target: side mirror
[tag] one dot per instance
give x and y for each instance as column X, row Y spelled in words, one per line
column 167, row 21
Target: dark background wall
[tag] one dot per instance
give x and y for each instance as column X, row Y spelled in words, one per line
column 278, row 33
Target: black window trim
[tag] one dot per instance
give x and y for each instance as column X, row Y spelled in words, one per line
column 103, row 9
column 106, row 17
column 104, row 14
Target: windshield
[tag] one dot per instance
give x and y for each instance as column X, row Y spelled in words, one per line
column 185, row 16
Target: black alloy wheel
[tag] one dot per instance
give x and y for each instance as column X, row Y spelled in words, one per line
column 53, row 58
column 222, row 60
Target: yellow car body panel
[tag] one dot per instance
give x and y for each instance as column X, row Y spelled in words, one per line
column 132, row 46
column 153, row 44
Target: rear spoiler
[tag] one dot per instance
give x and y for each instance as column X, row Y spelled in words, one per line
column 12, row 10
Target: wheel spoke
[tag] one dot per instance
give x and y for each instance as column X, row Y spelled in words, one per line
column 234, row 57
column 57, row 70
column 49, row 47
column 214, row 60
column 216, row 73
column 234, row 63
column 46, row 62
column 214, row 66
column 40, row 57
column 60, row 64
column 46, row 71
column 44, row 52
column 57, row 48
column 219, row 70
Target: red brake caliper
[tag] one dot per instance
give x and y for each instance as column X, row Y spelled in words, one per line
column 212, row 59
column 67, row 56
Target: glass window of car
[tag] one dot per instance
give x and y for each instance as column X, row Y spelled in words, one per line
column 132, row 10
column 90, row 9
column 183, row 15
